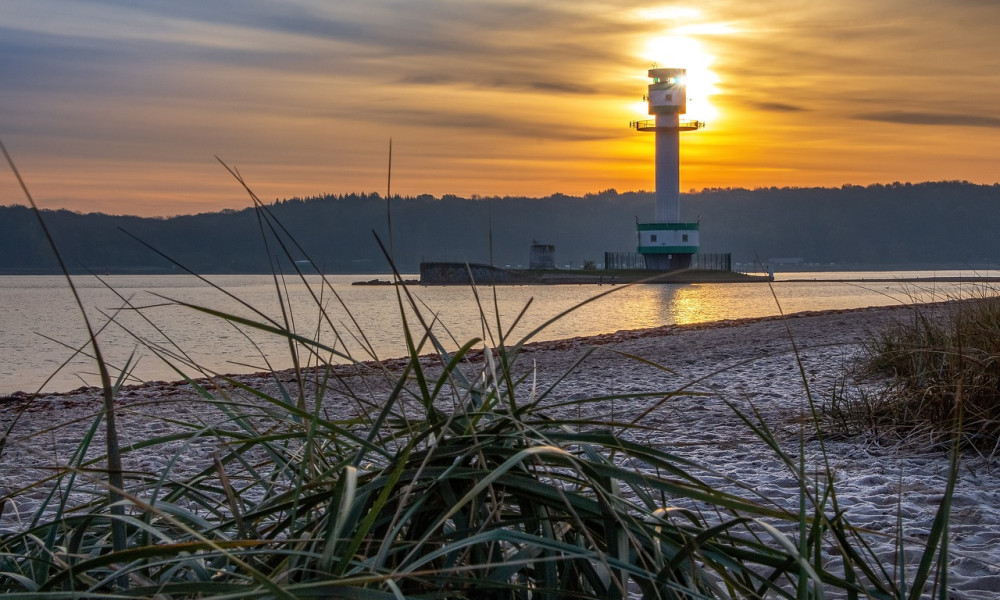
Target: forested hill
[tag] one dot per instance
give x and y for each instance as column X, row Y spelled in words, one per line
column 952, row 224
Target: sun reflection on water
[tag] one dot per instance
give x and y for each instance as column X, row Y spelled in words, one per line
column 691, row 305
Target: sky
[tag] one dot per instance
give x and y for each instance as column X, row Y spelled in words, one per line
column 127, row 106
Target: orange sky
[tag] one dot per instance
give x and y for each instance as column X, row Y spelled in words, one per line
column 119, row 107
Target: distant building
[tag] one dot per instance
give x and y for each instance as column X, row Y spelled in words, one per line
column 543, row 256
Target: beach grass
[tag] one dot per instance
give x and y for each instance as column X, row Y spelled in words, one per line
column 935, row 379
column 456, row 474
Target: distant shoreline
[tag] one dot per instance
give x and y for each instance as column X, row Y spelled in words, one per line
column 976, row 279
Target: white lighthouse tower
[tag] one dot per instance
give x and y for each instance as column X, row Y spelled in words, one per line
column 666, row 243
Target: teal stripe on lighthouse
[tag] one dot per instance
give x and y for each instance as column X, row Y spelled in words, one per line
column 668, row 249
column 667, row 226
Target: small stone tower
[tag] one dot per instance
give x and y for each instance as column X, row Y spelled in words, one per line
column 543, row 256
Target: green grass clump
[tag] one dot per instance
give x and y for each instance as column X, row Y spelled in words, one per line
column 943, row 373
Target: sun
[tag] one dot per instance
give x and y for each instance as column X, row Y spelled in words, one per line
column 687, row 52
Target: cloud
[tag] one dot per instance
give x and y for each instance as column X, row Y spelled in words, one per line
column 560, row 87
column 521, row 47
column 41, row 62
column 777, row 107
column 925, row 118
column 429, row 78
column 500, row 124
column 509, row 82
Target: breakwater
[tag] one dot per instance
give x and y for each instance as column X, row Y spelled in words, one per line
column 455, row 273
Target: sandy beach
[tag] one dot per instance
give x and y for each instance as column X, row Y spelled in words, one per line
column 706, row 370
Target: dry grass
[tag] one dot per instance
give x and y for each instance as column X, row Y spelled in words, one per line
column 942, row 379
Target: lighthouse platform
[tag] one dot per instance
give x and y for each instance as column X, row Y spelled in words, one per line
column 455, row 273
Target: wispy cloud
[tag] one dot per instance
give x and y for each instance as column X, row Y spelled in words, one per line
column 946, row 119
column 776, row 106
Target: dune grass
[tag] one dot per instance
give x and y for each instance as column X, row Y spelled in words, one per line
column 941, row 379
column 458, row 476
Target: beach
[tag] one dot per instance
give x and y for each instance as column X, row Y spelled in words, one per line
column 683, row 392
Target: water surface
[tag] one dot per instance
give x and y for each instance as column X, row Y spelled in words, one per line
column 140, row 323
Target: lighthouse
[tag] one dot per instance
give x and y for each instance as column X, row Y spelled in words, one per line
column 667, row 244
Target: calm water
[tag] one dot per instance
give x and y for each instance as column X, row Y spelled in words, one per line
column 41, row 327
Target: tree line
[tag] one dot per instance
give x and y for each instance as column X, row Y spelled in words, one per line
column 897, row 225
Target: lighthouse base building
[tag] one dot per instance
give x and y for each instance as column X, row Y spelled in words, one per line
column 667, row 246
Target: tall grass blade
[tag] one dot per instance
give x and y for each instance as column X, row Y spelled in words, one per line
column 116, row 483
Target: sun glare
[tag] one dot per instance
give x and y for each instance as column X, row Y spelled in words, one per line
column 689, row 53
column 663, row 13
column 640, row 109
column 681, row 46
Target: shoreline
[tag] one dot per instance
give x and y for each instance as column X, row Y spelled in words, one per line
column 476, row 353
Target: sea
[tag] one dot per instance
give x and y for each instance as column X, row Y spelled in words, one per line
column 162, row 327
